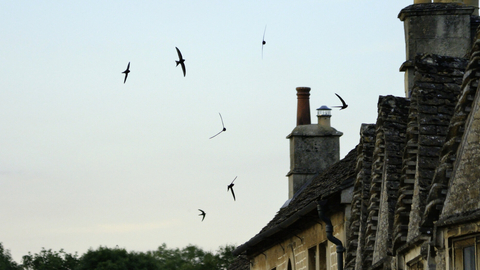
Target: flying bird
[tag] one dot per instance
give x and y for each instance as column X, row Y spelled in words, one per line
column 181, row 61
column 203, row 214
column 230, row 187
column 344, row 105
column 263, row 40
column 126, row 72
column 224, row 129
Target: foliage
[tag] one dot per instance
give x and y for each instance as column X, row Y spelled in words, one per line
column 116, row 259
column 193, row 258
column 190, row 257
column 6, row 261
column 225, row 256
column 48, row 259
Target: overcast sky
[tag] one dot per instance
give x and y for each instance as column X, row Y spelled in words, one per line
column 86, row 160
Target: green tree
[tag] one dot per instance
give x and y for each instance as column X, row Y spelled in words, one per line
column 193, row 258
column 6, row 261
column 190, row 257
column 50, row 260
column 167, row 258
column 224, row 256
column 116, row 259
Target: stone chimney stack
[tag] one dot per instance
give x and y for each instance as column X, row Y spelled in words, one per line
column 444, row 27
column 313, row 147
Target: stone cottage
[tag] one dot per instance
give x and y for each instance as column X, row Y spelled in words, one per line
column 408, row 195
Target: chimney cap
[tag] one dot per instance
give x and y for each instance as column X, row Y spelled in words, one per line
column 303, row 89
column 324, row 111
column 324, row 107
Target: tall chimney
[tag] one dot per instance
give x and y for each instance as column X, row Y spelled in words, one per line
column 313, row 147
column 443, row 27
column 303, row 106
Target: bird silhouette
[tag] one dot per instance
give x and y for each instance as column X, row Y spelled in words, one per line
column 344, row 105
column 203, row 214
column 230, row 187
column 224, row 129
column 263, row 40
column 126, row 72
column 181, row 62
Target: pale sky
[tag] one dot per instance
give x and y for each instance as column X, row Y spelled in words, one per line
column 86, row 160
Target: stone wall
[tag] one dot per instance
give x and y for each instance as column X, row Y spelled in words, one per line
column 295, row 249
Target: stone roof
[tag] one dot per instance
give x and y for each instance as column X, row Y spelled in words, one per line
column 415, row 169
column 240, row 263
column 338, row 177
column 302, row 207
column 397, row 160
column 434, row 95
column 438, row 188
column 459, row 171
column 384, row 178
column 361, row 193
column 392, row 169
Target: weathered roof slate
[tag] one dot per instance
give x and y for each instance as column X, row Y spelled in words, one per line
column 438, row 189
column 434, row 95
column 355, row 243
column 339, row 176
column 385, row 176
column 240, row 263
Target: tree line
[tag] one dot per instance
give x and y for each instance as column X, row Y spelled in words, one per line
column 190, row 257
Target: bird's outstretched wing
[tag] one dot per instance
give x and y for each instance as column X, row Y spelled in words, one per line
column 263, row 39
column 223, row 129
column 179, row 54
column 341, row 99
column 231, row 184
column 344, row 105
column 230, row 187
column 181, row 61
column 184, row 69
column 203, row 214
column 126, row 72
column 221, row 118
column 216, row 134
